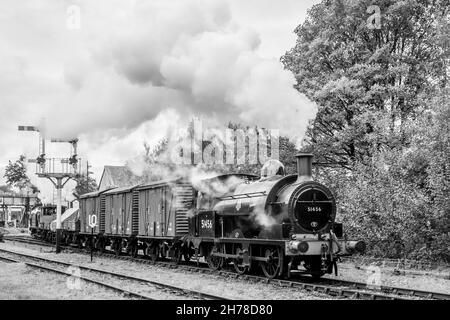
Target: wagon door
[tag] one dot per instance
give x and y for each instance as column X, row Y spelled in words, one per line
column 96, row 202
column 120, row 213
column 115, row 214
column 154, row 207
column 143, row 221
column 169, row 212
column 126, row 201
column 162, row 210
column 108, row 214
column 89, row 211
column 82, row 214
column 84, row 221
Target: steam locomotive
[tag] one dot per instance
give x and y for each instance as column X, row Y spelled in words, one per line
column 279, row 224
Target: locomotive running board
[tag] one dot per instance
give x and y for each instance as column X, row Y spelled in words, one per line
column 236, row 256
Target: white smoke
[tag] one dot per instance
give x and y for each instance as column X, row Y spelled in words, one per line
column 190, row 56
column 262, row 218
column 131, row 61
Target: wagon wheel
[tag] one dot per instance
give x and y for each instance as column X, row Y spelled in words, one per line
column 145, row 246
column 187, row 253
column 152, row 252
column 163, row 249
column 69, row 240
column 79, row 243
column 63, row 239
column 134, row 250
column 237, row 263
column 100, row 245
column 214, row 263
column 118, row 247
column 92, row 243
column 176, row 254
column 272, row 267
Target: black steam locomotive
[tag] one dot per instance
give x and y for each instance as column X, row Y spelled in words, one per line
column 278, row 223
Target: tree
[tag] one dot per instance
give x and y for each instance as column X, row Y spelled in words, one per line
column 16, row 175
column 5, row 189
column 368, row 83
column 432, row 144
column 85, row 184
column 158, row 162
column 383, row 114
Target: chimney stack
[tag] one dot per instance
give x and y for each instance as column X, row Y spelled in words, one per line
column 304, row 167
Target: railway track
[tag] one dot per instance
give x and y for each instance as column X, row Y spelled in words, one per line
column 333, row 287
column 156, row 286
column 27, row 240
column 88, row 280
column 389, row 289
column 397, row 263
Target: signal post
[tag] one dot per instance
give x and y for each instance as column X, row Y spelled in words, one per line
column 58, row 170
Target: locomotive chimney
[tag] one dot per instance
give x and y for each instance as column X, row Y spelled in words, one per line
column 304, row 166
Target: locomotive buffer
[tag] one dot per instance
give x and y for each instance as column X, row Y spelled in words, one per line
column 58, row 170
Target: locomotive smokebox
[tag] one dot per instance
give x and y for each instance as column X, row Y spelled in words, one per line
column 304, row 167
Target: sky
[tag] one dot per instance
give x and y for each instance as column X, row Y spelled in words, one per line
column 116, row 74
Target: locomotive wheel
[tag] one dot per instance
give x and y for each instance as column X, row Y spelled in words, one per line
column 272, row 267
column 237, row 263
column 213, row 262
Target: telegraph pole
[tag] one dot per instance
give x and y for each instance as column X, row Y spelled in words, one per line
column 87, row 175
column 45, row 168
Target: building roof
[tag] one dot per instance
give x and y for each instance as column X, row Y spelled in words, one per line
column 117, row 176
column 13, row 194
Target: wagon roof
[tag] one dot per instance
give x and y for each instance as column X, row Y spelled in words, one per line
column 93, row 194
column 159, row 183
column 122, row 189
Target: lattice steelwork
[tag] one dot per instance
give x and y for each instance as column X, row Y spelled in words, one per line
column 58, row 167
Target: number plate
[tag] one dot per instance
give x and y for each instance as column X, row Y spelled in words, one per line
column 206, row 224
